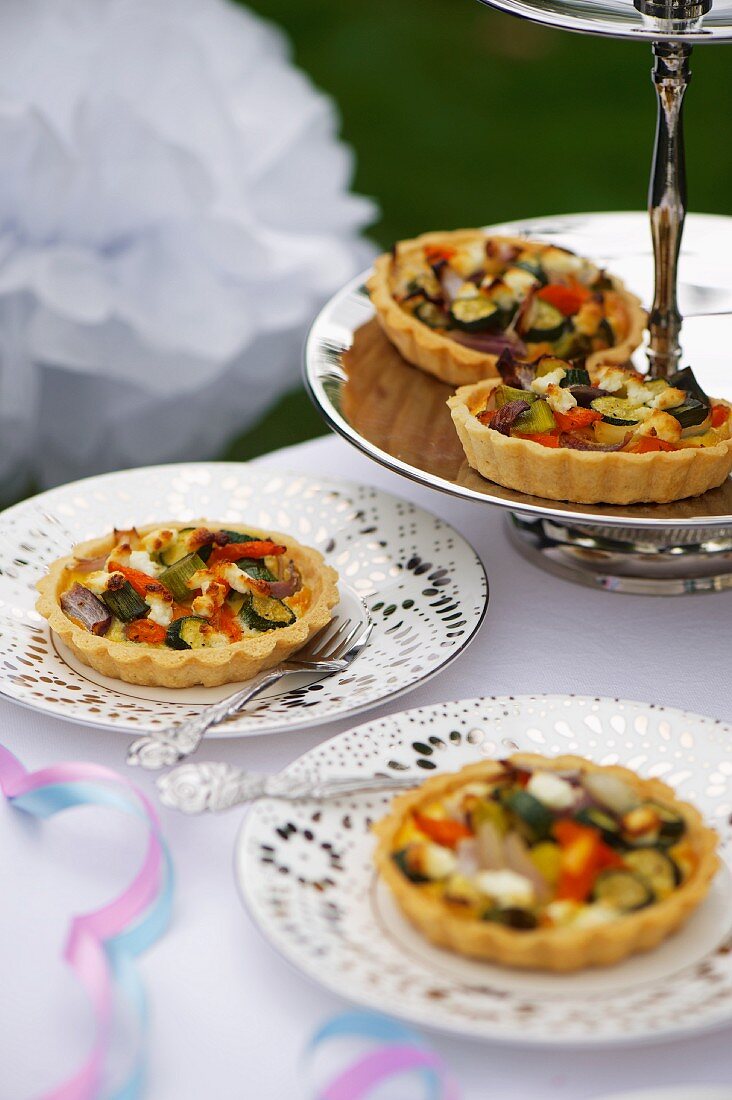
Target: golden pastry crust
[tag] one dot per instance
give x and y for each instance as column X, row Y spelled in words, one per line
column 161, row 667
column 445, row 358
column 558, row 949
column 584, row 477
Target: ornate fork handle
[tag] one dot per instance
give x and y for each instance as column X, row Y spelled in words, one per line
column 173, row 744
column 213, row 787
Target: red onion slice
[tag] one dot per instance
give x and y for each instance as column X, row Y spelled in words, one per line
column 287, row 585
column 506, row 366
column 577, row 443
column 585, row 395
column 467, row 857
column 611, row 792
column 525, row 375
column 81, row 604
column 276, row 590
column 90, row 565
column 503, row 251
column 450, row 282
column 519, row 860
column 127, row 535
column 507, row 415
column 489, row 343
column 523, row 310
column 513, row 372
column 491, row 856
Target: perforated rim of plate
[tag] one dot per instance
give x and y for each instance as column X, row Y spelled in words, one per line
column 305, row 875
column 424, row 585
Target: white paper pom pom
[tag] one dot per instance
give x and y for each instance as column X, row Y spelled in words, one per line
column 174, row 206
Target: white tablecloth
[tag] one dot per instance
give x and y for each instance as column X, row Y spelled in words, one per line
column 229, row 1017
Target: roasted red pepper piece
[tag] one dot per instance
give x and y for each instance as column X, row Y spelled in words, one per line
column 443, row 831
column 235, row 551
column 576, row 418
column 584, row 855
column 435, row 254
column 546, row 439
column 227, row 622
column 720, row 414
column 140, row 581
column 567, row 299
column 648, row 443
column 145, row 630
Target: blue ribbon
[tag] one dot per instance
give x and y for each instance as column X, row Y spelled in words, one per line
column 42, row 795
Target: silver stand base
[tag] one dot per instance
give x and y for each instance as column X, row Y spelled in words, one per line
column 636, row 561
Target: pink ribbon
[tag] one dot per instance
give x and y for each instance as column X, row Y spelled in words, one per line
column 100, row 944
column 400, row 1050
column 356, row 1082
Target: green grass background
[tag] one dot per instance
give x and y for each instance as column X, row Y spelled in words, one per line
column 461, row 116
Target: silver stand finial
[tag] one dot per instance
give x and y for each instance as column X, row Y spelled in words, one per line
column 673, row 16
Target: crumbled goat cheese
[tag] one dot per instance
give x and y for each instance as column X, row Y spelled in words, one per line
column 611, row 379
column 97, row 582
column 560, row 400
column 661, row 424
column 669, row 398
column 592, row 916
column 438, row 862
column 144, row 563
column 507, row 888
column 161, row 610
column 552, row 790
column 637, row 392
column 541, row 385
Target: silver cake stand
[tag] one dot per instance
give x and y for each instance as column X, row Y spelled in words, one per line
column 397, row 415
column 672, row 27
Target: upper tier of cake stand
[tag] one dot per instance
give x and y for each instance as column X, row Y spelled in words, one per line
column 622, row 19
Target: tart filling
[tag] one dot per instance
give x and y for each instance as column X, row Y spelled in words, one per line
column 559, row 430
column 177, row 605
column 556, row 404
column 452, row 302
column 555, row 864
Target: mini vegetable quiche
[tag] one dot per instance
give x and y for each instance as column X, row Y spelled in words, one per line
column 606, row 433
column 451, row 303
column 555, row 864
column 180, row 605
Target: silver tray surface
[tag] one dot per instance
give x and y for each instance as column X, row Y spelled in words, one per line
column 618, row 19
column 397, row 414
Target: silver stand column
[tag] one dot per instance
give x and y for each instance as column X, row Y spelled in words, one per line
column 667, row 204
column 667, row 194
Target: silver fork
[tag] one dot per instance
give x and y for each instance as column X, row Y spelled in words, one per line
column 213, row 787
column 333, row 649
